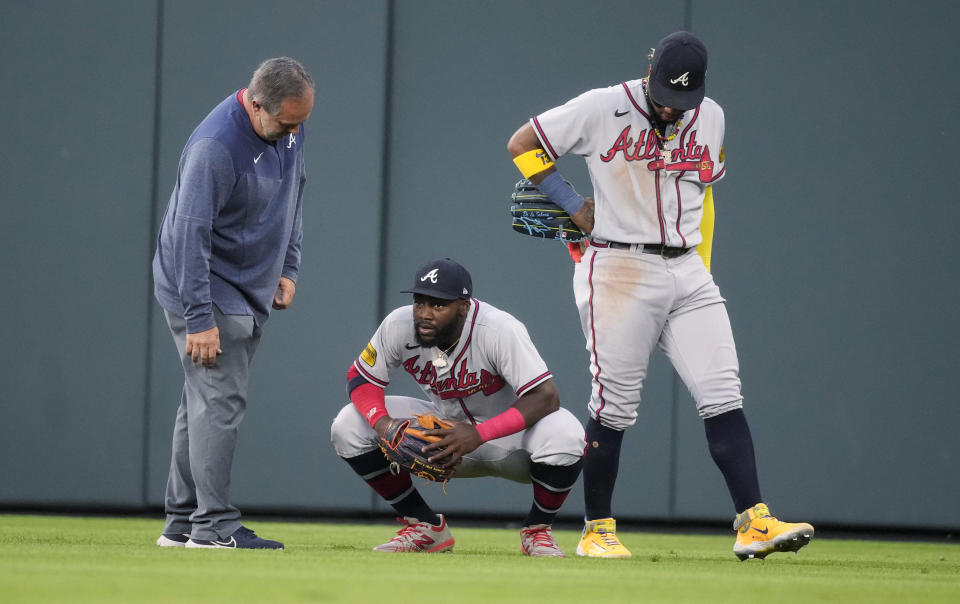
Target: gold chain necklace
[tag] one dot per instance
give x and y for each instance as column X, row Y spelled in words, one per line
column 440, row 361
column 659, row 134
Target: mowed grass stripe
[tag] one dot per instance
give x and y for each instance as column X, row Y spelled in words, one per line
column 72, row 559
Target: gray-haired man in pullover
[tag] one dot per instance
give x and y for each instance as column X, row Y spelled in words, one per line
column 228, row 250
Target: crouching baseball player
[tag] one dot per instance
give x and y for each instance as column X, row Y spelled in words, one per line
column 492, row 410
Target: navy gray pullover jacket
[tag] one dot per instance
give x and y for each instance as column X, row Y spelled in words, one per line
column 233, row 224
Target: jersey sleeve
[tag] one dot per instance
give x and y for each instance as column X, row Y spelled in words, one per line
column 566, row 129
column 382, row 355
column 518, row 361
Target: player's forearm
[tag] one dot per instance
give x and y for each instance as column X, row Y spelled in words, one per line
column 537, row 165
column 528, row 410
column 509, row 422
column 538, row 403
column 369, row 399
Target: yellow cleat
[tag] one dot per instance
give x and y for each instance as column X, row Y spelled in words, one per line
column 760, row 534
column 599, row 540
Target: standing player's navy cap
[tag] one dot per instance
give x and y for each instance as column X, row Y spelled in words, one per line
column 678, row 72
column 443, row 279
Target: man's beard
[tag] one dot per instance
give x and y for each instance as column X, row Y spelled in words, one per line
column 442, row 338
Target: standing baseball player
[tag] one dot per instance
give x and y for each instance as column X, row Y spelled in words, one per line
column 228, row 251
column 481, row 373
column 653, row 147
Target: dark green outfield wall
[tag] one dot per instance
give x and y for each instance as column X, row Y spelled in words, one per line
column 833, row 242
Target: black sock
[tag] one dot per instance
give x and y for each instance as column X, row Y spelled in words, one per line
column 551, row 485
column 600, row 465
column 731, row 447
column 397, row 490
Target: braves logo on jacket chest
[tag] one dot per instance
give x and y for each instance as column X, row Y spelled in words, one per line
column 460, row 384
column 688, row 157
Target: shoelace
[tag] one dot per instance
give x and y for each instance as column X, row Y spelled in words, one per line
column 772, row 519
column 408, row 534
column 541, row 537
column 609, row 538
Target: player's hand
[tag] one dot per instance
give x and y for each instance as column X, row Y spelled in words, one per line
column 204, row 346
column 584, row 216
column 381, row 426
column 454, row 443
column 283, row 297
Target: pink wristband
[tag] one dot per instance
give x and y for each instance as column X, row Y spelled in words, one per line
column 508, row 422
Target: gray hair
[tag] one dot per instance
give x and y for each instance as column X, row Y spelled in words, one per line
column 278, row 79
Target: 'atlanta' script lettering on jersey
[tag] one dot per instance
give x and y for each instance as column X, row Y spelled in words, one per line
column 645, row 147
column 466, row 383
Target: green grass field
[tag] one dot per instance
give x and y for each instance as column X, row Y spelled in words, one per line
column 71, row 559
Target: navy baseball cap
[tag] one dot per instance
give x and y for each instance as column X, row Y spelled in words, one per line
column 678, row 72
column 443, row 279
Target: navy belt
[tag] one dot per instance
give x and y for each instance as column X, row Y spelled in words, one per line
column 647, row 248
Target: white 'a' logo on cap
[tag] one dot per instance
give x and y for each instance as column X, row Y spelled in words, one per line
column 432, row 275
column 681, row 79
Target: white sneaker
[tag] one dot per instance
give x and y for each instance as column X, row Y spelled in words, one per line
column 537, row 540
column 173, row 540
column 418, row 536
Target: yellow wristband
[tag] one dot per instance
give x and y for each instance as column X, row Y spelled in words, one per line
column 532, row 162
